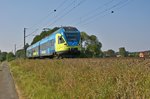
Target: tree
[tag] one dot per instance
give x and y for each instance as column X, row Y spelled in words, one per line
column 43, row 34
column 36, row 39
column 10, row 56
column 3, row 56
column 133, row 54
column 109, row 53
column 26, row 46
column 122, row 52
column 20, row 53
column 91, row 46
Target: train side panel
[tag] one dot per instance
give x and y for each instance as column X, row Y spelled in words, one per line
column 47, row 47
column 33, row 51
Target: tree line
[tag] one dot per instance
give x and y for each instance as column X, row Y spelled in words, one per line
column 90, row 48
column 6, row 56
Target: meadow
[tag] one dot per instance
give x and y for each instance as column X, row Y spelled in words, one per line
column 110, row 78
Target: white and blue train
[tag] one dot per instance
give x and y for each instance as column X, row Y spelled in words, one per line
column 64, row 42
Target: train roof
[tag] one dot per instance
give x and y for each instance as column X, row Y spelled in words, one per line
column 70, row 28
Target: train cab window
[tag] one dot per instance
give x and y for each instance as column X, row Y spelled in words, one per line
column 60, row 40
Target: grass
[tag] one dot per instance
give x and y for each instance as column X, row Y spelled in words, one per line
column 117, row 78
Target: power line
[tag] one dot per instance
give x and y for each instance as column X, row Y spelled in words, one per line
column 96, row 15
column 81, row 2
column 100, row 7
column 19, row 46
column 92, row 16
column 31, row 33
column 61, row 12
column 125, row 4
column 95, row 19
column 96, row 9
column 61, row 4
column 40, row 21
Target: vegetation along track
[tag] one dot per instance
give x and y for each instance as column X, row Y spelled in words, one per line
column 115, row 78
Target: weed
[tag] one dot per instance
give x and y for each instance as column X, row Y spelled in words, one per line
column 114, row 78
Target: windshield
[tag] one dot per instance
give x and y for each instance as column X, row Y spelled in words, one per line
column 72, row 36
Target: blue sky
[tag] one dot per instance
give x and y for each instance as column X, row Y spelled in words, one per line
column 128, row 26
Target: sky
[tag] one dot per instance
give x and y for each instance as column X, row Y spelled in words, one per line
column 116, row 23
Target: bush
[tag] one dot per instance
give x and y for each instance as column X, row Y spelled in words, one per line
column 10, row 56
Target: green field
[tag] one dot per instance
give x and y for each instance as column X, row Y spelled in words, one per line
column 118, row 78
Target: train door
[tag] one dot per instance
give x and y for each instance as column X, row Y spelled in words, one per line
column 60, row 43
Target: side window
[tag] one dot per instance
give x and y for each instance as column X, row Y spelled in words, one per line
column 53, row 41
column 60, row 40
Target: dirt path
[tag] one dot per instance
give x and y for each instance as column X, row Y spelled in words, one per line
column 7, row 88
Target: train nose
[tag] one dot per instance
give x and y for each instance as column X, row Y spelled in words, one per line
column 73, row 43
column 74, row 50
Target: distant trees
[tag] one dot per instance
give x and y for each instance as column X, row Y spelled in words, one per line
column 133, row 54
column 36, row 39
column 109, row 53
column 6, row 56
column 10, row 56
column 91, row 47
column 43, row 34
column 3, row 56
column 123, row 52
column 20, row 53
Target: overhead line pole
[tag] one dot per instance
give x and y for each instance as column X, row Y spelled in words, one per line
column 25, row 41
column 15, row 50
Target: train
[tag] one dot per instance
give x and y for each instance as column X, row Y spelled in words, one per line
column 64, row 42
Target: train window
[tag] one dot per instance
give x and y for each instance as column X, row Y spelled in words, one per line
column 70, row 29
column 47, row 44
column 60, row 40
column 50, row 42
column 53, row 42
column 44, row 46
column 72, row 36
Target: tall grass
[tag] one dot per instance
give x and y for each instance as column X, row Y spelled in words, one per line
column 83, row 78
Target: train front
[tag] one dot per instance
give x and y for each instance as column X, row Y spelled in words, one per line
column 69, row 42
